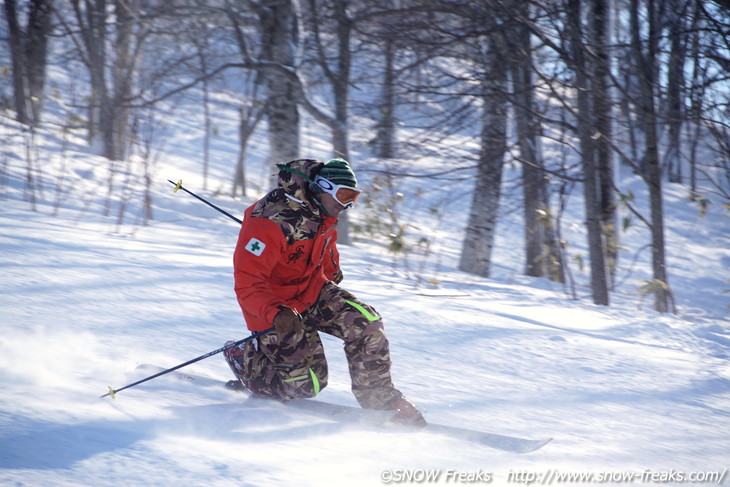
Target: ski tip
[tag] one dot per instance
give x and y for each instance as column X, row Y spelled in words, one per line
column 537, row 445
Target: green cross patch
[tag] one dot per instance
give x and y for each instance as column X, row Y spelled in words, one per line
column 255, row 246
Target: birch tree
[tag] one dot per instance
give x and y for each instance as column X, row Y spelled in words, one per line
column 480, row 232
column 278, row 29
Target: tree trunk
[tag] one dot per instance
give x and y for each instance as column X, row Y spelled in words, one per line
column 15, row 39
column 696, row 100
column 646, row 66
column 339, row 79
column 542, row 258
column 476, row 252
column 675, row 95
column 28, row 51
column 278, row 20
column 385, row 136
column 91, row 19
column 532, row 176
column 207, row 122
column 239, row 178
column 596, row 243
column 39, row 28
column 123, row 72
column 602, row 106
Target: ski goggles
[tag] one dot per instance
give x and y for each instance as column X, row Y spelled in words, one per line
column 344, row 195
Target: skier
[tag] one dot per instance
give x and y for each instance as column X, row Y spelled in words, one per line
column 286, row 269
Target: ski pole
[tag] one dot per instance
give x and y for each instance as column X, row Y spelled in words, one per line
column 179, row 185
column 113, row 392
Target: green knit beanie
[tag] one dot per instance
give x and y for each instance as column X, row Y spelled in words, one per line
column 339, row 172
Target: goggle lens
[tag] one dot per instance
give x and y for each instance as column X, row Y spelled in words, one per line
column 344, row 195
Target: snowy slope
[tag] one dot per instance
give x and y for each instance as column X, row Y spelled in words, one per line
column 622, row 390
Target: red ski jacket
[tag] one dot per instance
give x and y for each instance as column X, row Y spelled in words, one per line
column 286, row 249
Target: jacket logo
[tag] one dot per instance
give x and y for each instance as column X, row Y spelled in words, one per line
column 294, row 256
column 255, row 246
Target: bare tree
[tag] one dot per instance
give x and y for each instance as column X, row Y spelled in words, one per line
column 332, row 56
column 28, row 51
column 602, row 107
column 335, row 63
column 480, row 232
column 250, row 113
column 91, row 17
column 111, row 77
column 278, row 29
column 644, row 50
column 542, row 252
column 386, row 132
column 585, row 124
column 676, row 27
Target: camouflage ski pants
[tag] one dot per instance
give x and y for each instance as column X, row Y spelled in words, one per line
column 294, row 366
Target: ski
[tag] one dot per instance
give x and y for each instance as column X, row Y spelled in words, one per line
column 351, row 414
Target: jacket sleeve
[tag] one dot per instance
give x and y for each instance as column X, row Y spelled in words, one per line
column 258, row 251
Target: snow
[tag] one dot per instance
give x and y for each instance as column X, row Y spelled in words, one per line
column 620, row 389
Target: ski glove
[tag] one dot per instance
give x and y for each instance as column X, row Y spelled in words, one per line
column 287, row 320
column 338, row 276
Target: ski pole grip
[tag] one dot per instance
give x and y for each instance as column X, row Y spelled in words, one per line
column 179, row 185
